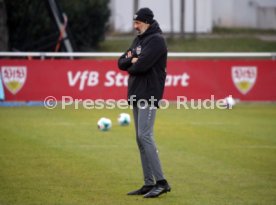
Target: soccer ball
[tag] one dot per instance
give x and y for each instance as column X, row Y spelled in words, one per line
column 104, row 124
column 229, row 102
column 124, row 119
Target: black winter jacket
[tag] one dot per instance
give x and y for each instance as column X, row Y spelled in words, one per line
column 147, row 76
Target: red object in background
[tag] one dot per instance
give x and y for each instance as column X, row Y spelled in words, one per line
column 34, row 80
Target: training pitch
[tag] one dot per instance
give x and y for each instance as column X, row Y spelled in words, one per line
column 209, row 157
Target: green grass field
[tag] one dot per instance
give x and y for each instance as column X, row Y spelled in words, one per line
column 220, row 44
column 220, row 40
column 210, row 157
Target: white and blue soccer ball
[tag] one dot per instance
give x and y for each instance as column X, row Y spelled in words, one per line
column 104, row 124
column 124, row 119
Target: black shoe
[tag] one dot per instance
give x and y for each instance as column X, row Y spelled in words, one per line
column 143, row 190
column 158, row 190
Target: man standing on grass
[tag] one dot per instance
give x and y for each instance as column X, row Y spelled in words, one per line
column 146, row 61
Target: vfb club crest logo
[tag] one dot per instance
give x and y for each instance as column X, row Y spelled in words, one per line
column 244, row 78
column 14, row 77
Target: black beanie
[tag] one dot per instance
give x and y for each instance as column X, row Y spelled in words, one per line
column 145, row 15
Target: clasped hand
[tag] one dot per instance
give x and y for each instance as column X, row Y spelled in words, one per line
column 129, row 55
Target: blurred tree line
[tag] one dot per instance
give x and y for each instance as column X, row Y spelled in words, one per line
column 31, row 25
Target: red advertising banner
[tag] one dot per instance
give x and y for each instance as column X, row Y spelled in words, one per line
column 34, row 80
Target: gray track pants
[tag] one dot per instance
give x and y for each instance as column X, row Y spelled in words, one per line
column 144, row 122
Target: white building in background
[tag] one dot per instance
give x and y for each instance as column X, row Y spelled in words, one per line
column 207, row 14
column 244, row 13
column 122, row 14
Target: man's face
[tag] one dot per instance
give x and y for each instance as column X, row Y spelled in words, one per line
column 140, row 26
